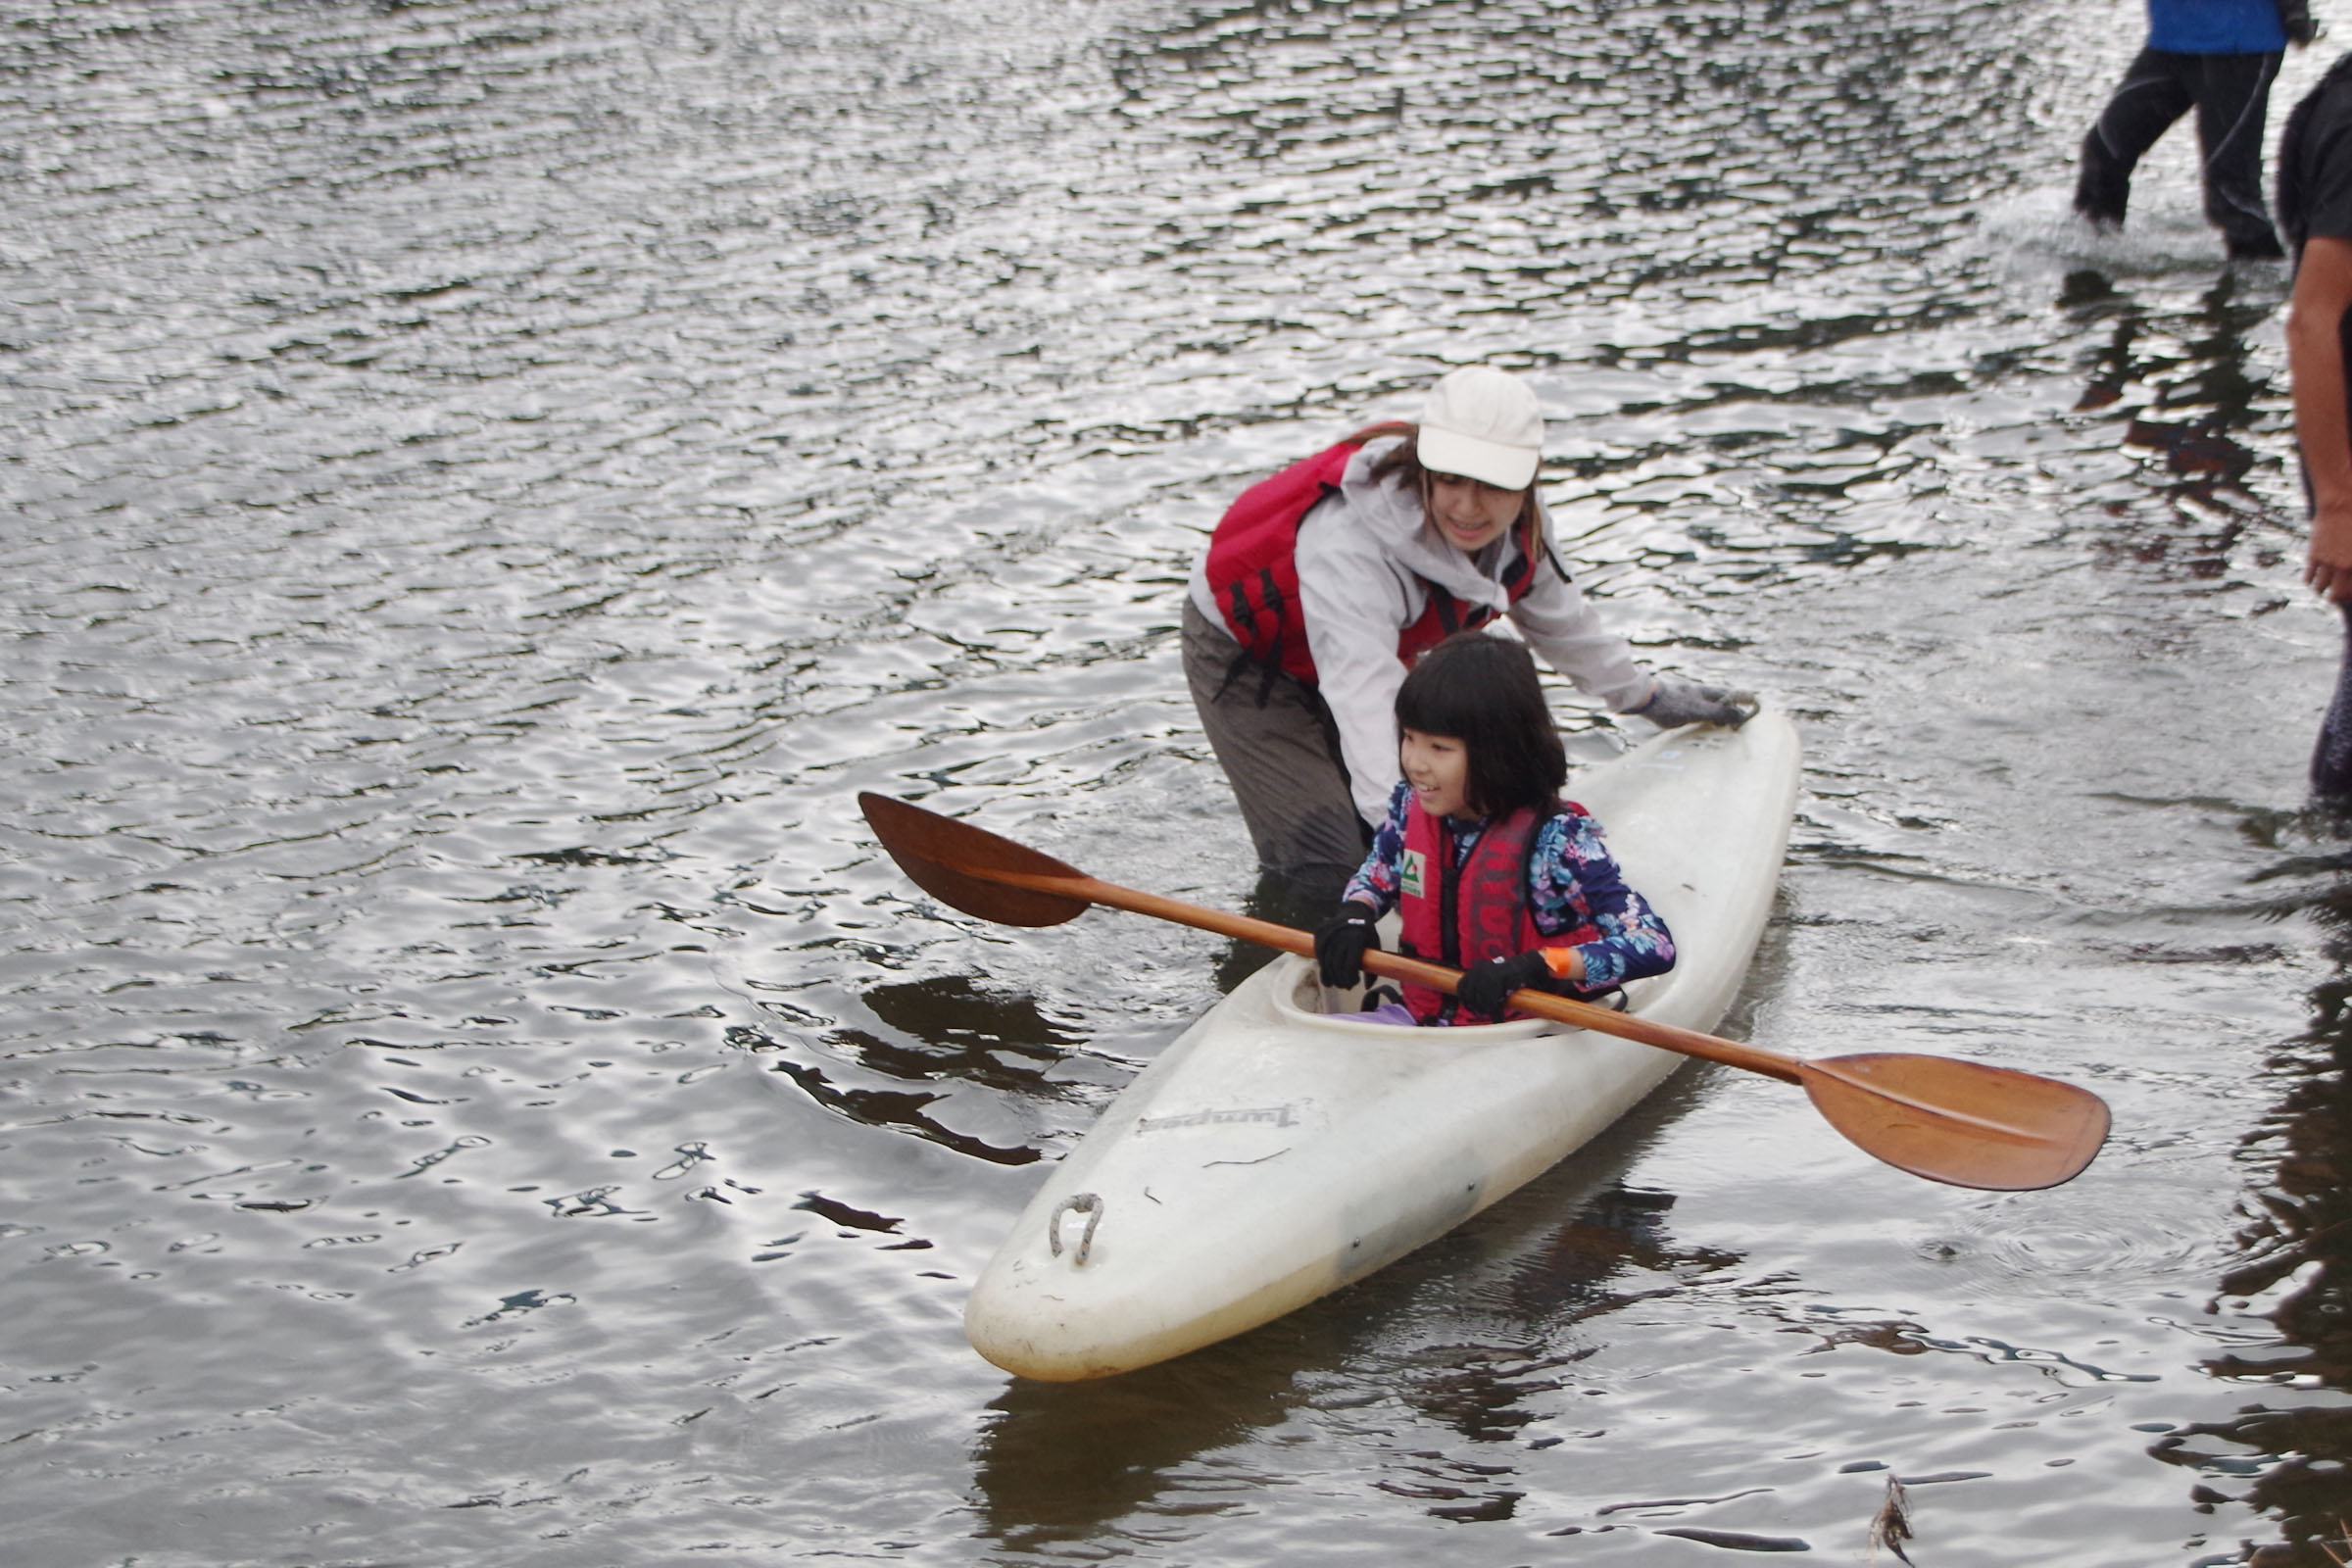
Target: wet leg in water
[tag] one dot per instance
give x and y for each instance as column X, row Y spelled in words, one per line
column 2332, row 760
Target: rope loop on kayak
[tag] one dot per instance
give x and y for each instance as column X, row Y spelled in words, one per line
column 1086, row 1204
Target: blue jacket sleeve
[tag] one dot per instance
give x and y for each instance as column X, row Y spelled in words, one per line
column 1376, row 880
column 1579, row 892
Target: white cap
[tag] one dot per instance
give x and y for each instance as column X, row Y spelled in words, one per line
column 1485, row 424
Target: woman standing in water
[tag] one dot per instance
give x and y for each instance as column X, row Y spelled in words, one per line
column 1323, row 583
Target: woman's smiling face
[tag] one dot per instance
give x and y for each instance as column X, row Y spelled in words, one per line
column 1471, row 514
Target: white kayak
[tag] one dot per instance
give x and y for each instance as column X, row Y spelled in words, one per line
column 1275, row 1152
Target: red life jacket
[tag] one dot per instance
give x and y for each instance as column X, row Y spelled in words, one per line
column 1482, row 909
column 1254, row 570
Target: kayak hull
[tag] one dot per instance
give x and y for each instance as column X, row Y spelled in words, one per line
column 1274, row 1153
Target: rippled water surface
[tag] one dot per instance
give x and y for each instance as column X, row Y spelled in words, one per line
column 489, row 482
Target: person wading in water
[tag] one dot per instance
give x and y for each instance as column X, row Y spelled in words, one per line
column 2218, row 57
column 1322, row 584
column 2315, row 207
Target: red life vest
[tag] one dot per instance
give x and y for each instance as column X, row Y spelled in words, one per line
column 1482, row 909
column 1254, row 570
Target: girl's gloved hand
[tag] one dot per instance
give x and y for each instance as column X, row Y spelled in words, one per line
column 1676, row 703
column 1484, row 986
column 1341, row 941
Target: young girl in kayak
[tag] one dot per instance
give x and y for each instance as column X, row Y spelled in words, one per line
column 1492, row 872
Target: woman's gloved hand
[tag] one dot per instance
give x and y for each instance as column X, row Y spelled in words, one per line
column 1676, row 703
column 1341, row 941
column 1482, row 986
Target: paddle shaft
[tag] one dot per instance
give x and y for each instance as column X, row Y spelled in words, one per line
column 1967, row 1123
column 1396, row 966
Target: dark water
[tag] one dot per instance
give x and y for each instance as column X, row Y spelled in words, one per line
column 488, row 483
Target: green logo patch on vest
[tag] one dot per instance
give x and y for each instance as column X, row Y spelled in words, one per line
column 1414, row 883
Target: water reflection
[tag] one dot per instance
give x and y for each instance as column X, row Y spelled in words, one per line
column 1058, row 1461
column 949, row 1026
column 1062, row 1461
column 945, row 1033
column 1614, row 1252
column 2151, row 370
column 2288, row 1298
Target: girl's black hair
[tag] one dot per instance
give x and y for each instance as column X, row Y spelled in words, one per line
column 1483, row 691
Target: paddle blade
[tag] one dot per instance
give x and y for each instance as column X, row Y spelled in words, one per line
column 1960, row 1122
column 953, row 861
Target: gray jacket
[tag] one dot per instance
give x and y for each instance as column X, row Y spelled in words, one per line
column 1366, row 558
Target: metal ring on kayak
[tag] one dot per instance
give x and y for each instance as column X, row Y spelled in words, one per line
column 1086, row 1204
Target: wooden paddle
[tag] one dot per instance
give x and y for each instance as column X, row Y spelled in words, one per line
column 1950, row 1121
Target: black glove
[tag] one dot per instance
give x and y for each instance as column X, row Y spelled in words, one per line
column 1341, row 941
column 1680, row 702
column 1484, row 985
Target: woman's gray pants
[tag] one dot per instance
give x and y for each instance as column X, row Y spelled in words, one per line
column 1280, row 749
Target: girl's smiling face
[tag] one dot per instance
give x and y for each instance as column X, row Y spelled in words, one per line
column 1437, row 768
column 1471, row 514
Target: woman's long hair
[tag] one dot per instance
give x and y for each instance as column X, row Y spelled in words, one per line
column 1481, row 690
